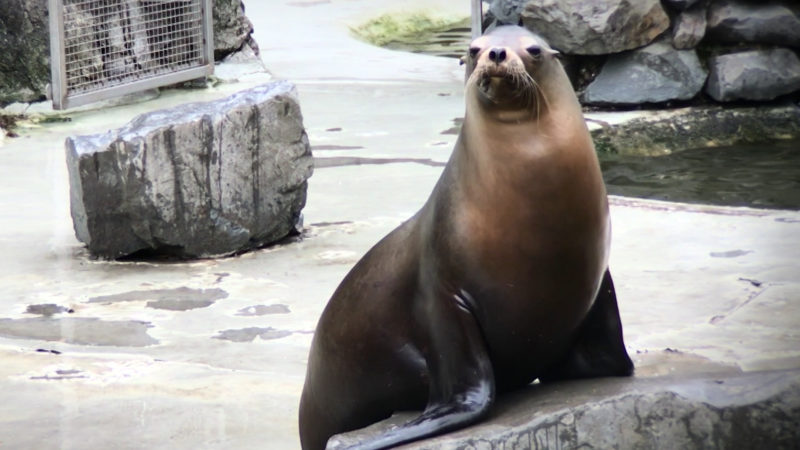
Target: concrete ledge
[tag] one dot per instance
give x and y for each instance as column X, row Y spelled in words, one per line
column 666, row 131
column 735, row 410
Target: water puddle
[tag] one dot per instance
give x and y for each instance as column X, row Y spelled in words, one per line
column 249, row 334
column 757, row 175
column 80, row 330
column 178, row 299
column 263, row 310
column 339, row 161
column 450, row 43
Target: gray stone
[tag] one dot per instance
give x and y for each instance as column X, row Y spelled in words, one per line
column 736, row 21
column 232, row 29
column 197, row 180
column 753, row 75
column 507, row 12
column 25, row 55
column 656, row 73
column 595, row 28
column 689, row 28
column 752, row 410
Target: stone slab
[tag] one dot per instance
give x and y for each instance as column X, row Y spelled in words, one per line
column 197, row 180
column 753, row 410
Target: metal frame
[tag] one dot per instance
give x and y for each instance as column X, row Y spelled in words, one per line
column 476, row 18
column 59, row 93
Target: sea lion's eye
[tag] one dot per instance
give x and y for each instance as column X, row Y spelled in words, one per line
column 473, row 51
column 534, row 50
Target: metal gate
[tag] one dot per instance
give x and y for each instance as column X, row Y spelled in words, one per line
column 106, row 48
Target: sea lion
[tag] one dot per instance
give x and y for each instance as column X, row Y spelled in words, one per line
column 501, row 278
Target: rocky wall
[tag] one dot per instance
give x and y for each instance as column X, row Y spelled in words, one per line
column 631, row 52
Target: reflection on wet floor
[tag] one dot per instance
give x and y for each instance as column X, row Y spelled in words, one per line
column 338, row 161
column 79, row 330
column 450, row 43
column 263, row 310
column 178, row 299
column 756, row 175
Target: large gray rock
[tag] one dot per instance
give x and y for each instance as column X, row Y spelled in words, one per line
column 748, row 411
column 767, row 22
column 598, row 27
column 25, row 51
column 753, row 75
column 197, row 180
column 232, row 29
column 689, row 27
column 656, row 73
column 507, row 12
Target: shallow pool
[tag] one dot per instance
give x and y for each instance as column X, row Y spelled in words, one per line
column 757, row 175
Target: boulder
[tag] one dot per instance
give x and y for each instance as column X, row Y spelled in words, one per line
column 507, row 12
column 595, row 28
column 25, row 55
column 656, row 73
column 753, row 75
column 232, row 29
column 737, row 21
column 689, row 27
column 198, row 180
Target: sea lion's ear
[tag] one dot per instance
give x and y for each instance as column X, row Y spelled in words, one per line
column 551, row 52
column 462, row 60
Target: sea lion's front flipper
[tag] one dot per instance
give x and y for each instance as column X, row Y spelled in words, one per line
column 462, row 386
column 598, row 350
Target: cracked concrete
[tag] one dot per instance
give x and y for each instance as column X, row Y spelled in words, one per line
column 702, row 289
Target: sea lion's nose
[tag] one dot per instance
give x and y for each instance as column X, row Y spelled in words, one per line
column 497, row 55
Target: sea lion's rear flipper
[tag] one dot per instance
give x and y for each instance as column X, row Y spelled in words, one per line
column 462, row 386
column 598, row 350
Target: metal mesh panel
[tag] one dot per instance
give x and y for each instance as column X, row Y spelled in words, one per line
column 112, row 47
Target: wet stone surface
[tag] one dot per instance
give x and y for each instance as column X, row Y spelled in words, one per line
column 179, row 305
column 263, row 310
column 338, row 161
column 757, row 410
column 80, row 330
column 249, row 334
column 164, row 298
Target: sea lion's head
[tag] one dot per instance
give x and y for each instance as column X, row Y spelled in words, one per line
column 505, row 68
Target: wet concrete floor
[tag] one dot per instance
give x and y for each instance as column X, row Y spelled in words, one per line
column 212, row 353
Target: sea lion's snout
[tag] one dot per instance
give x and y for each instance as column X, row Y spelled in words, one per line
column 497, row 55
